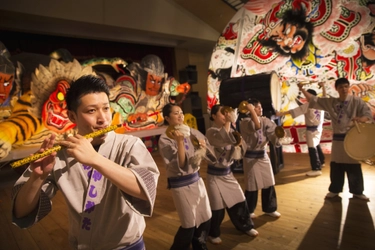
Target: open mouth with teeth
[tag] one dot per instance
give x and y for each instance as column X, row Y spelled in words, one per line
column 58, row 121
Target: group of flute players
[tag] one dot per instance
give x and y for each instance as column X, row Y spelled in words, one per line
column 109, row 181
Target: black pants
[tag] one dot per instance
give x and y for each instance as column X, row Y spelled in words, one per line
column 269, row 201
column 322, row 158
column 316, row 158
column 354, row 174
column 238, row 214
column 196, row 236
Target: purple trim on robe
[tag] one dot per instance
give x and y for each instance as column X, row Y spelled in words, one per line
column 92, row 197
column 138, row 245
column 44, row 207
column 149, row 180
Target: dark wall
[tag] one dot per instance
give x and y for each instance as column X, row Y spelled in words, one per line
column 84, row 49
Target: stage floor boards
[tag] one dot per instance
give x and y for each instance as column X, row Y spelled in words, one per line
column 307, row 221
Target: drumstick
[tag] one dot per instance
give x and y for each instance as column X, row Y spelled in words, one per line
column 307, row 82
column 356, row 124
column 56, row 148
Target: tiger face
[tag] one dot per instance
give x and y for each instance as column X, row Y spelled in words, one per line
column 54, row 111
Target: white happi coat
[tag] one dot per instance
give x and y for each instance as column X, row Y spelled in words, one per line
column 341, row 115
column 313, row 117
column 101, row 216
column 258, row 171
column 191, row 201
column 223, row 191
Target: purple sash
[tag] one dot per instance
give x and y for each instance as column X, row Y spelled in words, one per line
column 138, row 245
column 339, row 137
column 218, row 171
column 311, row 128
column 182, row 181
column 255, row 154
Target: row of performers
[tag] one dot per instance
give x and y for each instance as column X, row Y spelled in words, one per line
column 109, row 181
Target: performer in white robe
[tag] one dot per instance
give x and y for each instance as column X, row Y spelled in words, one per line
column 314, row 120
column 257, row 131
column 343, row 111
column 182, row 157
column 223, row 189
column 108, row 182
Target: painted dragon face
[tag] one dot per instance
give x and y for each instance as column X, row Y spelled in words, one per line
column 6, row 81
column 54, row 112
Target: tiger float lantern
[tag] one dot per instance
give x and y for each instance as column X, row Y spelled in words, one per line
column 19, row 127
column 41, row 111
column 49, row 87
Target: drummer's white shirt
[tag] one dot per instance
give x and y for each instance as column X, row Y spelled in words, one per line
column 341, row 117
column 313, row 117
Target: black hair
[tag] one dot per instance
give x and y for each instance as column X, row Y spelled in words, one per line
column 311, row 91
column 84, row 85
column 214, row 110
column 167, row 109
column 253, row 101
column 340, row 81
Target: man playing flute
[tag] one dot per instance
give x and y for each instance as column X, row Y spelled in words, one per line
column 108, row 182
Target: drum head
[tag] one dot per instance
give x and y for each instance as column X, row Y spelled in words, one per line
column 360, row 145
column 275, row 91
column 265, row 87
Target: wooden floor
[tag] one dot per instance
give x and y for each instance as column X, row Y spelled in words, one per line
column 307, row 220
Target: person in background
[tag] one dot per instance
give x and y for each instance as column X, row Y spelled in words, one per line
column 343, row 110
column 182, row 149
column 314, row 120
column 108, row 182
column 223, row 189
column 257, row 131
